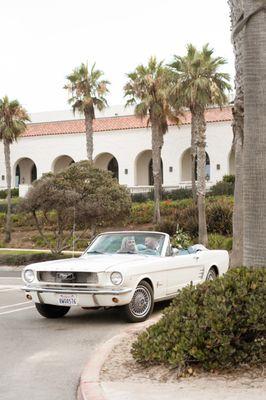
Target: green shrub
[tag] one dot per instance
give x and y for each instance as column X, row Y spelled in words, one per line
column 167, row 226
column 219, row 217
column 177, row 194
column 142, row 213
column 3, row 193
column 229, row 179
column 221, row 188
column 217, row 241
column 25, row 259
column 187, row 219
column 218, row 324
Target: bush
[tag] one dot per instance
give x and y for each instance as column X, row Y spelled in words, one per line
column 218, row 324
column 3, row 193
column 25, row 259
column 229, row 179
column 142, row 213
column 142, row 197
column 167, row 226
column 220, row 217
column 187, row 219
column 222, row 188
column 217, row 241
column 177, row 194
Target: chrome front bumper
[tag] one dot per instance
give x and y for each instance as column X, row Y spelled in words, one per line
column 79, row 290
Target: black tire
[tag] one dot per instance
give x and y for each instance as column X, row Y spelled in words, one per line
column 51, row 311
column 211, row 275
column 137, row 310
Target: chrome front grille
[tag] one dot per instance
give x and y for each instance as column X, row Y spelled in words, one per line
column 67, row 277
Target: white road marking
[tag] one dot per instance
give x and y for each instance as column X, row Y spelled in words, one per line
column 8, row 290
column 14, row 305
column 19, row 309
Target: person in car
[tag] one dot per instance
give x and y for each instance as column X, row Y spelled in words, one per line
column 128, row 245
column 151, row 244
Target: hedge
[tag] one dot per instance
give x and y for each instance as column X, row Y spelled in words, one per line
column 215, row 325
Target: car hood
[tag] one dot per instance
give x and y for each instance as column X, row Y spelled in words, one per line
column 92, row 263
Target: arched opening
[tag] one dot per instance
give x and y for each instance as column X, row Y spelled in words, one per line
column 107, row 161
column 143, row 169
column 25, row 172
column 232, row 163
column 186, row 167
column 61, row 163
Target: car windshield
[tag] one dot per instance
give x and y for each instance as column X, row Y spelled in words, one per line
column 128, row 243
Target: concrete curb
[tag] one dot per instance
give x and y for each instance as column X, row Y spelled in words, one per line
column 90, row 385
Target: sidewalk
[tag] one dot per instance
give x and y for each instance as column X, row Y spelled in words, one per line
column 109, row 375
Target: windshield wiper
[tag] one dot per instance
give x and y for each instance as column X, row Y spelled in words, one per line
column 94, row 252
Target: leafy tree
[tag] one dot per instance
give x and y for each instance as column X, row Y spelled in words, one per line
column 148, row 89
column 13, row 118
column 81, row 195
column 198, row 84
column 87, row 91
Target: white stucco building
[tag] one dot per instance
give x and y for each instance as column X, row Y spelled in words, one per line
column 122, row 143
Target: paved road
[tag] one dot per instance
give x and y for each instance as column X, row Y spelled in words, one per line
column 42, row 359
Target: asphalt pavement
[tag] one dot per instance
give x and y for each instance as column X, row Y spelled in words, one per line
column 41, row 358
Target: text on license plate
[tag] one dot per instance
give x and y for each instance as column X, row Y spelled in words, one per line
column 67, row 299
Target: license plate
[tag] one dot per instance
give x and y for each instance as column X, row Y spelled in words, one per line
column 67, row 299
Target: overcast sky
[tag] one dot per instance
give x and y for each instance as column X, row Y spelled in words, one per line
column 43, row 40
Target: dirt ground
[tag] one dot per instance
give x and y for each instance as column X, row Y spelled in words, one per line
column 120, row 366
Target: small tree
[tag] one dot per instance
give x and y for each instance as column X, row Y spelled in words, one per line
column 87, row 91
column 81, row 195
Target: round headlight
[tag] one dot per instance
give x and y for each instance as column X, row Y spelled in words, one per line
column 116, row 278
column 29, row 275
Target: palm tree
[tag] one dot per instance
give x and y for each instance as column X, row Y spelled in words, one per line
column 87, row 91
column 254, row 157
column 148, row 89
column 13, row 118
column 198, row 85
column 236, row 9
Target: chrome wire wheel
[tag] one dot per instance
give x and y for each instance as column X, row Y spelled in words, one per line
column 141, row 302
column 211, row 275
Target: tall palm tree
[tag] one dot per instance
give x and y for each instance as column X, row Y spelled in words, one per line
column 13, row 118
column 198, row 85
column 236, row 10
column 148, row 89
column 87, row 91
column 254, row 158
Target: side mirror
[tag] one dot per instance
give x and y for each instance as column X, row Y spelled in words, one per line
column 175, row 251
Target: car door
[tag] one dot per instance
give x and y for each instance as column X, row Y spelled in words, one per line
column 182, row 269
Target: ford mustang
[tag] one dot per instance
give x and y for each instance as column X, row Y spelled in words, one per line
column 130, row 269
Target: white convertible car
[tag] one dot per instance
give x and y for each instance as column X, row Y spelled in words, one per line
column 127, row 269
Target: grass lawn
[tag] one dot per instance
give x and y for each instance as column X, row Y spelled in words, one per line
column 17, row 252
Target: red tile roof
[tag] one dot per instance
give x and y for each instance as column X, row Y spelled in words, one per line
column 115, row 123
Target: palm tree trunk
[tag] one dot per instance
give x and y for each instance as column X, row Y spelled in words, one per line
column 236, row 7
column 200, row 126
column 8, row 179
column 193, row 157
column 254, row 184
column 157, row 143
column 89, row 134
